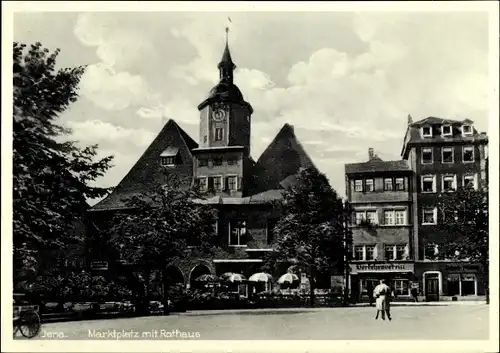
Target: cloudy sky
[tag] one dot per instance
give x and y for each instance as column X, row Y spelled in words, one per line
column 346, row 80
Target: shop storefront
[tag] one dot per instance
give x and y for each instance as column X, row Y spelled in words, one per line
column 450, row 281
column 365, row 276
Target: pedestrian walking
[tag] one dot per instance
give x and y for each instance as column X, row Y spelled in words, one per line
column 414, row 294
column 382, row 294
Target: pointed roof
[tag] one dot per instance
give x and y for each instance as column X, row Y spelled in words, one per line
column 281, row 160
column 226, row 60
column 147, row 171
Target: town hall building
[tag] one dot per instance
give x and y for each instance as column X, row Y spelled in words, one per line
column 243, row 190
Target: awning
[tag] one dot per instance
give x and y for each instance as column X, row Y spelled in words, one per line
column 170, row 152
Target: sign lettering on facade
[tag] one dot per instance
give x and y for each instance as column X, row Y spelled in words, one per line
column 361, row 268
column 99, row 265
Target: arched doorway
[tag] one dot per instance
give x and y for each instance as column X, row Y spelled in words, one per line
column 196, row 272
column 173, row 275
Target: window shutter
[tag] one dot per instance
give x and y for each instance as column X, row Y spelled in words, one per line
column 476, row 185
column 375, row 252
column 434, row 184
column 455, row 186
column 240, row 183
column 434, row 211
column 407, row 252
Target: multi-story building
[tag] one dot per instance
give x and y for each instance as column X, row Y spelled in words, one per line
column 380, row 193
column 240, row 188
column 444, row 155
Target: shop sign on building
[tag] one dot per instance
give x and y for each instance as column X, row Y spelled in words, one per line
column 382, row 268
column 99, row 265
column 461, row 267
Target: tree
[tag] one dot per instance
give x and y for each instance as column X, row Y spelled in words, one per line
column 311, row 231
column 52, row 176
column 161, row 227
column 465, row 228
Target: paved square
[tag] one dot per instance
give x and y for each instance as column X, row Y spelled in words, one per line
column 356, row 323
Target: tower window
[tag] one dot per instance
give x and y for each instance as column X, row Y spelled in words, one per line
column 218, row 134
column 170, row 160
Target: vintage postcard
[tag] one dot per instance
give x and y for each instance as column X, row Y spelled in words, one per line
column 251, row 176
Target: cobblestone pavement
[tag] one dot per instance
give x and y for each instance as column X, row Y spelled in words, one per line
column 355, row 323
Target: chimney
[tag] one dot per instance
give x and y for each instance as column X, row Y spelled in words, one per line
column 370, row 154
column 410, row 120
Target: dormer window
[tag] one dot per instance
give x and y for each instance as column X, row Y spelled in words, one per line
column 446, row 130
column 466, row 130
column 426, row 131
column 169, row 156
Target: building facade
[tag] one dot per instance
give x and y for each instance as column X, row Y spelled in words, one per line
column 380, row 193
column 400, row 243
column 241, row 189
column 445, row 155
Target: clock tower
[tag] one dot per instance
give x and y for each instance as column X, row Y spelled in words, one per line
column 223, row 156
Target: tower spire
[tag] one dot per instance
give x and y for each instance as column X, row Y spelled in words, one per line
column 226, row 65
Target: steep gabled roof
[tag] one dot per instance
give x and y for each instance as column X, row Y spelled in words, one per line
column 148, row 171
column 283, row 158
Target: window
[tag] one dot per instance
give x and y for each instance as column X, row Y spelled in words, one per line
column 369, row 187
column 237, row 232
column 400, row 287
column 426, row 131
column 218, row 134
column 396, row 252
column 468, row 284
column 232, row 161
column 449, row 183
column 429, row 216
column 365, row 252
column 468, row 154
column 388, row 184
column 218, row 161
column 400, row 217
column 389, row 252
column 202, row 162
column 370, row 252
column 466, row 130
column 431, row 251
column 470, row 181
column 400, row 252
column 202, row 183
column 427, row 157
column 428, row 184
column 358, row 185
column 400, row 184
column 360, row 216
column 372, row 217
column 453, row 284
column 389, row 218
column 271, row 235
column 218, row 183
column 366, row 215
column 446, row 130
column 170, row 160
column 447, row 154
column 359, row 253
column 232, row 182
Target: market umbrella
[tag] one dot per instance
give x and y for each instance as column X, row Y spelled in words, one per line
column 288, row 278
column 260, row 277
column 207, row 278
column 236, row 277
column 226, row 275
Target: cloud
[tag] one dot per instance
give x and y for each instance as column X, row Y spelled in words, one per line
column 345, row 81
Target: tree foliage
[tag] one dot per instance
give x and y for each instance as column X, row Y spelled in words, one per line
column 311, row 231
column 162, row 225
column 52, row 176
column 465, row 225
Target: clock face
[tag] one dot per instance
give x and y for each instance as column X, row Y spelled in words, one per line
column 219, row 114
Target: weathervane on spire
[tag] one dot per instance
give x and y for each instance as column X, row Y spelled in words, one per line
column 227, row 29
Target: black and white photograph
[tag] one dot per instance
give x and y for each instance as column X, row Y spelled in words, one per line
column 178, row 174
